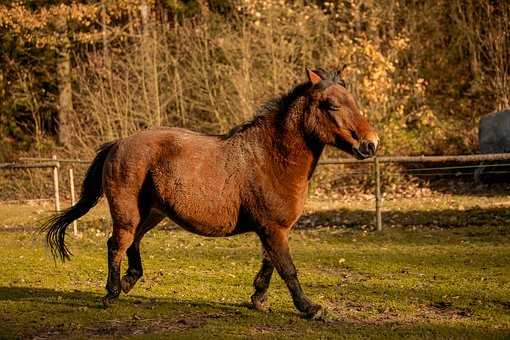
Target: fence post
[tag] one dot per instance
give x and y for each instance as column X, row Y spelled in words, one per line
column 71, row 184
column 55, row 183
column 378, row 217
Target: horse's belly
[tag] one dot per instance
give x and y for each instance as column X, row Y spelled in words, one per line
column 203, row 206
column 207, row 219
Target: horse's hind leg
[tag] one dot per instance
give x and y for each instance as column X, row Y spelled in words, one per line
column 126, row 217
column 117, row 246
column 261, row 283
column 135, row 268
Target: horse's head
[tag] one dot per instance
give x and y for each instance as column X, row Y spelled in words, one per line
column 334, row 118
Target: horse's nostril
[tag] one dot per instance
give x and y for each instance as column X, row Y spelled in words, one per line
column 371, row 148
column 368, row 148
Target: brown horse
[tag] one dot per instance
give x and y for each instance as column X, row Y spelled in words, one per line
column 253, row 179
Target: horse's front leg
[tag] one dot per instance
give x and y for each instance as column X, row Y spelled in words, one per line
column 261, row 283
column 276, row 244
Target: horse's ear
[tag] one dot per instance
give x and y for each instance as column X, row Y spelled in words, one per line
column 313, row 77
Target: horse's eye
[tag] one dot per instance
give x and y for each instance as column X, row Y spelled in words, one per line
column 329, row 106
column 333, row 106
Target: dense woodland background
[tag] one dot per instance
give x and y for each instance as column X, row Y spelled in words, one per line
column 78, row 73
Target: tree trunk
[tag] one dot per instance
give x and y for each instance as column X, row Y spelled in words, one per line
column 65, row 100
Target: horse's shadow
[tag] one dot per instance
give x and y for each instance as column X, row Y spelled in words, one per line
column 91, row 300
column 32, row 312
column 181, row 315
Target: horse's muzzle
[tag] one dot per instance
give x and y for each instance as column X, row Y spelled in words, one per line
column 366, row 149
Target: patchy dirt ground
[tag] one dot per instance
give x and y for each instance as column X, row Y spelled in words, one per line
column 440, row 269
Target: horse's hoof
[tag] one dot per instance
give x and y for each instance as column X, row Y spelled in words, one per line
column 126, row 284
column 259, row 304
column 316, row 312
column 109, row 300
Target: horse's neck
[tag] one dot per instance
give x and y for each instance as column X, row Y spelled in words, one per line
column 295, row 156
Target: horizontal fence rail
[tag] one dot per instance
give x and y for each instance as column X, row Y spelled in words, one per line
column 49, row 164
column 55, row 164
column 422, row 159
column 60, row 160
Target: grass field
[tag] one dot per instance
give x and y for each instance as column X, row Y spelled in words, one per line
column 441, row 269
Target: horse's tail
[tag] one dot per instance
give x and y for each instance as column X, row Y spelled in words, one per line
column 92, row 190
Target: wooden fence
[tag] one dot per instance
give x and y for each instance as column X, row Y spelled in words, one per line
column 55, row 164
column 376, row 161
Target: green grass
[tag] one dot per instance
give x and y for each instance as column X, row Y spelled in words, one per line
column 426, row 281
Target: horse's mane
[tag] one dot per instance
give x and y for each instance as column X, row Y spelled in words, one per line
column 273, row 108
column 277, row 107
